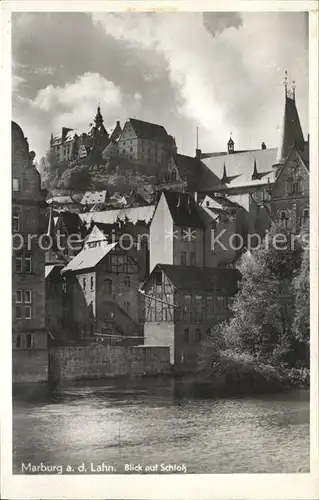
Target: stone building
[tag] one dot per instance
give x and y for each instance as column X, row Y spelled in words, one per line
column 29, row 335
column 146, row 143
column 102, row 288
column 182, row 304
column 64, row 145
column 184, row 233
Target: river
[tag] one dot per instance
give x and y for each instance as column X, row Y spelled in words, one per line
column 143, row 422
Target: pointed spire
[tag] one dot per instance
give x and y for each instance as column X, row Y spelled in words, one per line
column 291, row 128
column 98, row 117
column 224, row 178
column 255, row 173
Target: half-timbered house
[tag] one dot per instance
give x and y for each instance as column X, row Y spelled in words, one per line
column 102, row 284
column 182, row 304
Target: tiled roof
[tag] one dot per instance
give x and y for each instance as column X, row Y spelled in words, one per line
column 134, row 215
column 92, row 197
column 196, row 278
column 183, row 209
column 146, row 130
column 239, row 168
column 88, row 258
column 61, row 200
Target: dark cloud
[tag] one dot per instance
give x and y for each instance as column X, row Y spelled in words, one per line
column 216, row 22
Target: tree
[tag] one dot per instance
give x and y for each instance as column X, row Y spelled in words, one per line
column 76, row 178
column 263, row 308
column 301, row 287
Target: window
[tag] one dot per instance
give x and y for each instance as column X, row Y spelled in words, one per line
column 27, row 296
column 84, row 283
column 207, row 203
column 18, row 262
column 305, row 214
column 15, row 184
column 123, row 151
column 28, row 263
column 198, row 335
column 27, row 312
column 29, row 341
column 198, row 307
column 18, row 342
column 15, row 221
column 173, row 175
column 92, row 283
column 18, row 312
column 186, row 336
column 210, row 305
column 108, row 286
column 131, row 149
column 193, row 259
column 127, row 282
column 183, row 258
column 19, row 296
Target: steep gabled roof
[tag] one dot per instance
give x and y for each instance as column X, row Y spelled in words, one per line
column 183, row 209
column 194, row 278
column 291, row 130
column 146, row 130
column 88, row 258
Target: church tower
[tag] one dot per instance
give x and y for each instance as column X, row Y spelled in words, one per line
column 291, row 128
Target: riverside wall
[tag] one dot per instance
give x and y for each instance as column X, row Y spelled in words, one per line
column 92, row 362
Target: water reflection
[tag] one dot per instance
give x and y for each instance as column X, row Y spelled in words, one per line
column 144, row 422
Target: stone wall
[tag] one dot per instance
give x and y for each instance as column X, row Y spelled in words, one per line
column 75, row 363
column 29, row 365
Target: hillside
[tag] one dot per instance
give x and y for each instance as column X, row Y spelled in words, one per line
column 117, row 175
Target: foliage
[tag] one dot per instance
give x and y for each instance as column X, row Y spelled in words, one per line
column 76, row 178
column 301, row 286
column 270, row 321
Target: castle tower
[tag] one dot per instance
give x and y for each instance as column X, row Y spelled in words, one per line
column 291, row 128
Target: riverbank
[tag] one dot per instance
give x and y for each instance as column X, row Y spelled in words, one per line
column 236, row 375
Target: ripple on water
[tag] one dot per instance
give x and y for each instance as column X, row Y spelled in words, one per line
column 120, row 424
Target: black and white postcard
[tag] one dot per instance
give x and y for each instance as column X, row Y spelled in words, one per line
column 160, row 165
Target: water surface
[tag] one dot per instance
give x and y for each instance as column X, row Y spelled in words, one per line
column 142, row 422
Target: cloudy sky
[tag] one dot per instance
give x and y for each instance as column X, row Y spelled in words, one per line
column 222, row 72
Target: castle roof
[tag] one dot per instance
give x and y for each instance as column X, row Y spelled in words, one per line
column 147, row 130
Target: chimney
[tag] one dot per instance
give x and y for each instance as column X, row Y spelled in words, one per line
column 198, row 154
column 263, row 145
column 118, row 123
